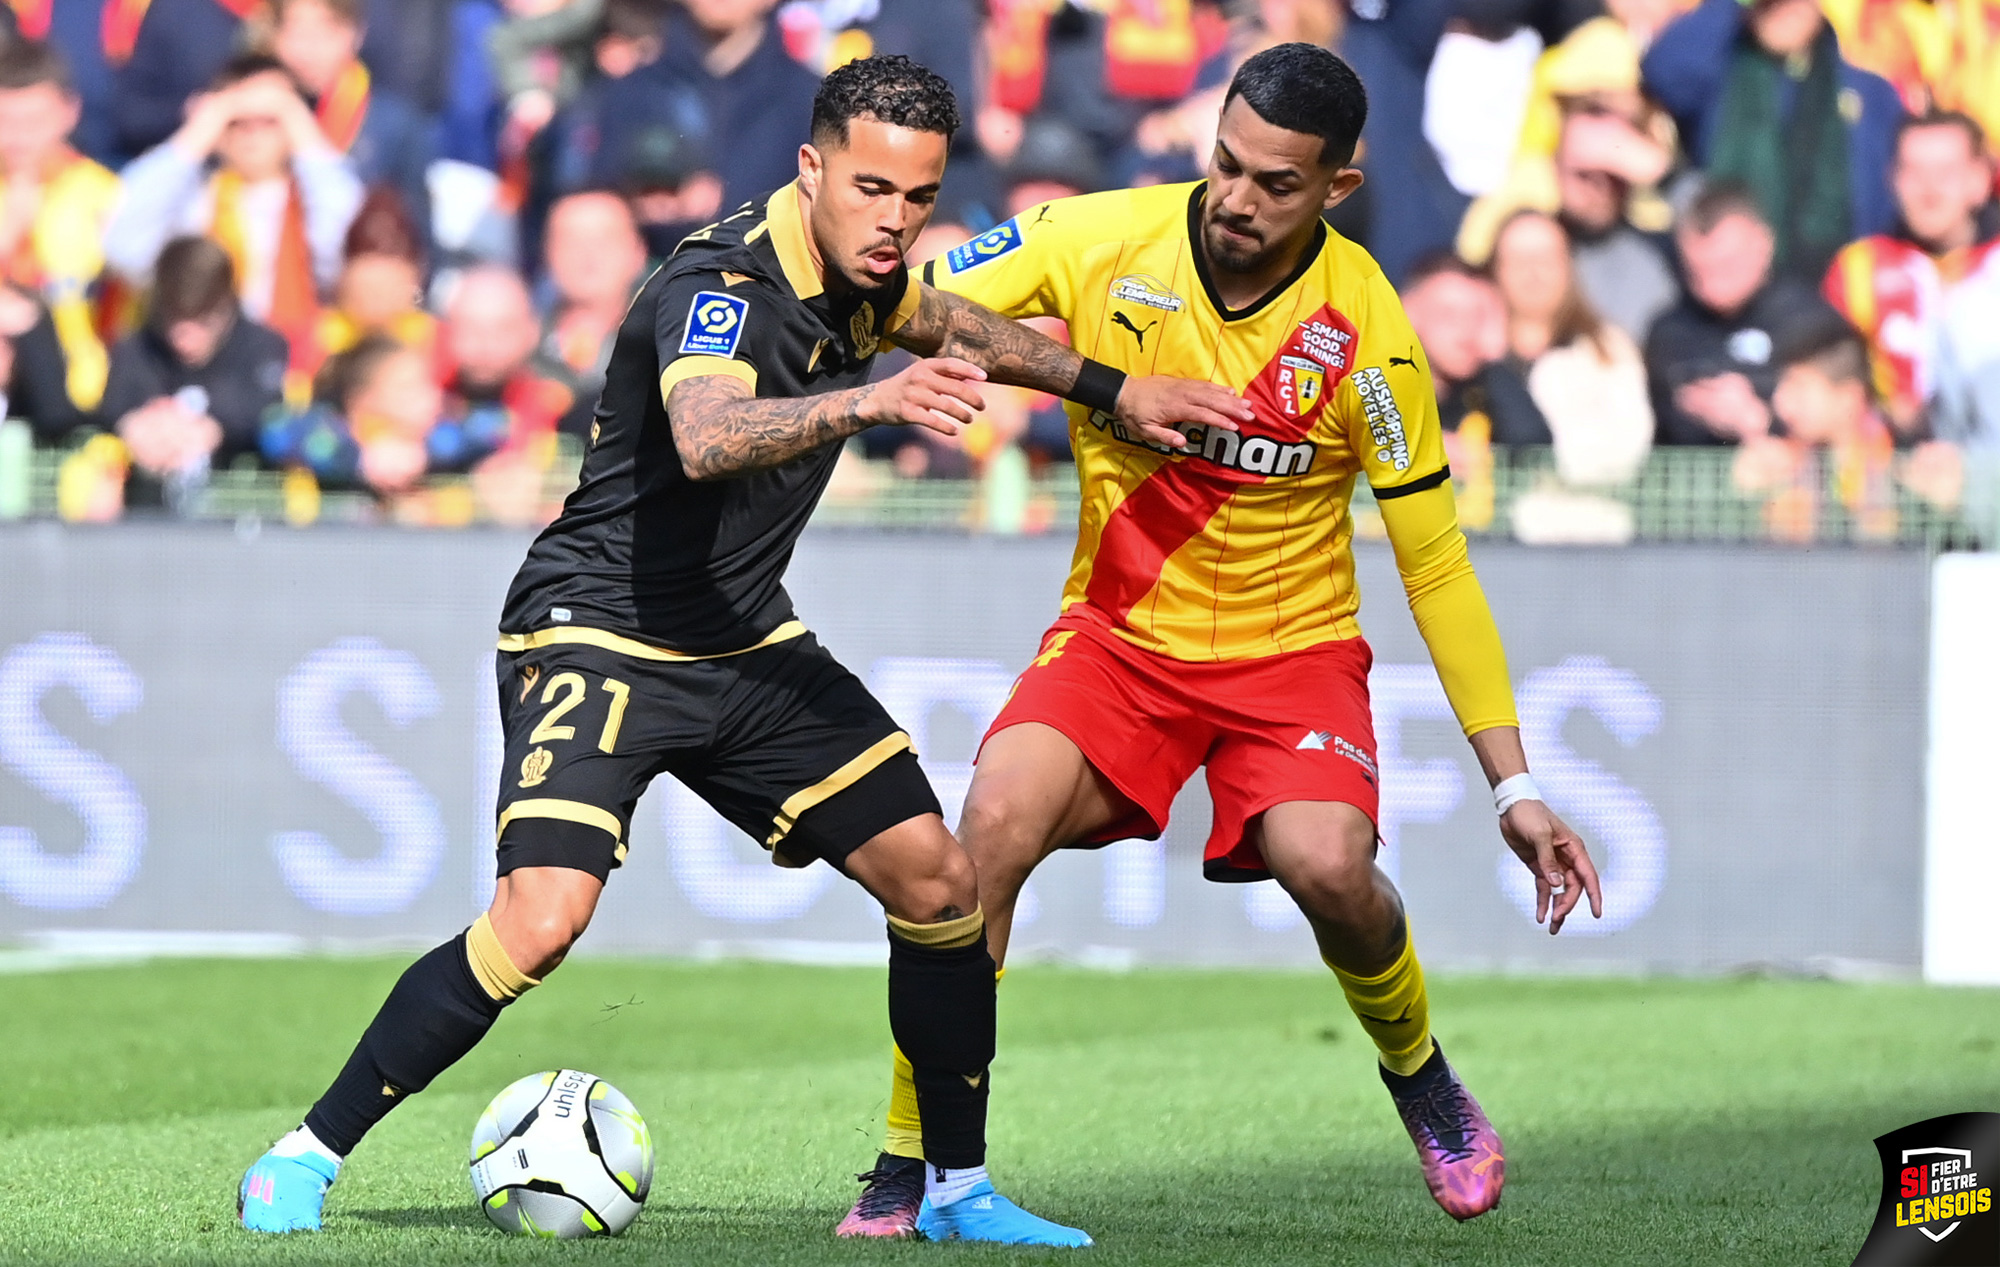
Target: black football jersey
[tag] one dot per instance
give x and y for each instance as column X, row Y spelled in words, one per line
column 641, row 551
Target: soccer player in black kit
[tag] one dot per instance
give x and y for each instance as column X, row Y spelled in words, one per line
column 649, row 632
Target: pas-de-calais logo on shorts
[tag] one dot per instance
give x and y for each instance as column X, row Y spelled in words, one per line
column 1937, row 1195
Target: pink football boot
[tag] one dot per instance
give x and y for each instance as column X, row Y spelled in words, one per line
column 888, row 1205
column 1464, row 1164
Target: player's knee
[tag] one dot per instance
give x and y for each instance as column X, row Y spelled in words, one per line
column 1327, row 866
column 998, row 841
column 941, row 885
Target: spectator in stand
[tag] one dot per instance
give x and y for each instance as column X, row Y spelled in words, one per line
column 382, row 133
column 1827, row 406
column 1937, row 274
column 176, row 49
column 595, row 140
column 82, row 36
column 54, row 206
column 1763, row 97
column 251, row 169
column 381, row 284
column 375, row 408
column 1601, row 161
column 670, row 186
column 1054, row 161
column 469, row 114
column 1710, row 357
column 1458, row 314
column 756, row 100
column 1584, row 374
column 189, row 390
column 541, row 54
column 409, row 49
column 33, row 382
column 1624, row 271
column 596, row 258
column 491, row 342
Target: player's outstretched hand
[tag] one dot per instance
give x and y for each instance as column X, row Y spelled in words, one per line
column 1555, row 855
column 1162, row 408
column 938, row 392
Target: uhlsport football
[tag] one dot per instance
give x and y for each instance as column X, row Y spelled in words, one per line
column 561, row 1155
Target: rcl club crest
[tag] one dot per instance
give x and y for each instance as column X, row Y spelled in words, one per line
column 1289, row 392
column 1937, row 1195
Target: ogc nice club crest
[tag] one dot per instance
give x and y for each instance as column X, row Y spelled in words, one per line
column 1937, row 1195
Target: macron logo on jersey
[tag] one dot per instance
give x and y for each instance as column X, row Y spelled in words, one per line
column 990, row 245
column 714, row 324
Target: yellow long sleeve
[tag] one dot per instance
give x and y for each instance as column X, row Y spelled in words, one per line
column 1450, row 607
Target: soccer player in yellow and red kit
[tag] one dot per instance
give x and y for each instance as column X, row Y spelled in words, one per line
column 1209, row 617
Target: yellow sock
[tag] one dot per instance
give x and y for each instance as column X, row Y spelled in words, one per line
column 1394, row 1009
column 904, row 1136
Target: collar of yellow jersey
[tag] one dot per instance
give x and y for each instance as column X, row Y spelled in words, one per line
column 787, row 225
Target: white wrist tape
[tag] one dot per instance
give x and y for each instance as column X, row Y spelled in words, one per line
column 1508, row 792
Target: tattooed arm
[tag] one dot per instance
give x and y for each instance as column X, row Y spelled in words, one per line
column 722, row 430
column 945, row 324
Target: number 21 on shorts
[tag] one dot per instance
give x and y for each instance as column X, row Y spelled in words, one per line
column 572, row 688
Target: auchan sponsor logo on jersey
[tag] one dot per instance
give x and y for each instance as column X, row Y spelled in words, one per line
column 1233, row 451
column 1139, row 288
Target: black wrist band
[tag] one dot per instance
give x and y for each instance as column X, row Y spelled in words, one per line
column 1097, row 386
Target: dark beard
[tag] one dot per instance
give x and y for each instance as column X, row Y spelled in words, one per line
column 1225, row 256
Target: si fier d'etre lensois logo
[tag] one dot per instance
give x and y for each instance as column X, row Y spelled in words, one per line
column 1937, row 1195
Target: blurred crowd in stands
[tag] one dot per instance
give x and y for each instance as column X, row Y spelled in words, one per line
column 363, row 243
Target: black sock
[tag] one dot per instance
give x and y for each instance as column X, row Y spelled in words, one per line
column 437, row 1012
column 941, row 1003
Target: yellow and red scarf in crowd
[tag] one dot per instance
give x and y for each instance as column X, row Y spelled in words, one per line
column 294, row 291
column 343, row 108
column 1891, row 290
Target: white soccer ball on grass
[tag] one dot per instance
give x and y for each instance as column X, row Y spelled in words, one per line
column 561, row 1155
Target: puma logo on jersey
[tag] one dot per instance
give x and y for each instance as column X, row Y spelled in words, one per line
column 1120, row 319
column 1410, row 360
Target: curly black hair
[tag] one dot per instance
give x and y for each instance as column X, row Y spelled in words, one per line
column 892, row 89
column 1304, row 88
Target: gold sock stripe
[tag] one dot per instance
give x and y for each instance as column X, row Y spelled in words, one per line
column 905, row 1134
column 952, row 934
column 491, row 964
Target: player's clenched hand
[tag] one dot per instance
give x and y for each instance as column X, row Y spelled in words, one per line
column 1555, row 855
column 1162, row 408
column 938, row 392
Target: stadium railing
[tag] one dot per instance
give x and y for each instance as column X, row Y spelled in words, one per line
column 1680, row 495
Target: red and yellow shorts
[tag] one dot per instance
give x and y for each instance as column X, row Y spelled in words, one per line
column 1288, row 727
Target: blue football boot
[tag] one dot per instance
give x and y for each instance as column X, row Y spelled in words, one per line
column 984, row 1215
column 284, row 1194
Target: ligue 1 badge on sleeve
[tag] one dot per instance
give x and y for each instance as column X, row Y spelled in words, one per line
column 1937, row 1195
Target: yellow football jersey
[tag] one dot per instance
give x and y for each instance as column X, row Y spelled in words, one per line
column 1238, row 547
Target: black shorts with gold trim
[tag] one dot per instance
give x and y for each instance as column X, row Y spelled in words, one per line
column 780, row 739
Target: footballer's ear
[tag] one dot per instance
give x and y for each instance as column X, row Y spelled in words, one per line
column 1345, row 182
column 812, row 165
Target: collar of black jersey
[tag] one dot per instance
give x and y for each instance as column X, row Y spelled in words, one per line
column 1200, row 253
column 786, row 224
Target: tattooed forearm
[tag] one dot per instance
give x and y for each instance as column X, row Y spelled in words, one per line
column 721, row 430
column 951, row 325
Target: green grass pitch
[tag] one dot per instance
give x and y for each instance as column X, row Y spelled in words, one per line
column 1181, row 1117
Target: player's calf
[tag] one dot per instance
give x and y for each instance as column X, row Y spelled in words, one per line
column 438, row 1010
